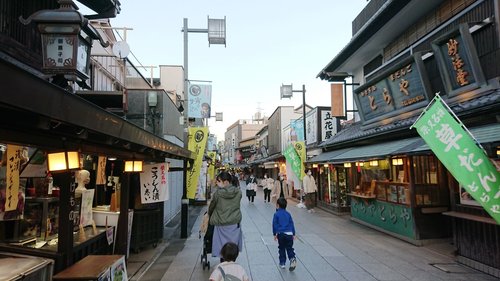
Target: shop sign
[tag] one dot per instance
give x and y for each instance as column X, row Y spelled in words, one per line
column 458, row 61
column 154, row 187
column 328, row 125
column 400, row 89
column 197, row 143
column 293, row 159
column 460, row 154
column 312, row 127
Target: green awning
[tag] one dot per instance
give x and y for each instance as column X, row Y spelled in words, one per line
column 378, row 150
column 483, row 134
column 366, row 152
column 326, row 157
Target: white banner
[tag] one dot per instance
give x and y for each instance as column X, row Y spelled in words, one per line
column 154, row 183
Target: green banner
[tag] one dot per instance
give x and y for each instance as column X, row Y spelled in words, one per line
column 300, row 148
column 460, row 154
column 294, row 159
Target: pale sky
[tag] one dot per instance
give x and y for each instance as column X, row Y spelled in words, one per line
column 268, row 43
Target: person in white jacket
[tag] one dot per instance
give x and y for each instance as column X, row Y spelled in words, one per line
column 310, row 190
column 268, row 184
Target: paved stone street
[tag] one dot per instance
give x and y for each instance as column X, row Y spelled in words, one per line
column 328, row 247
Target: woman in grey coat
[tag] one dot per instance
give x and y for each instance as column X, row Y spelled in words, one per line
column 225, row 214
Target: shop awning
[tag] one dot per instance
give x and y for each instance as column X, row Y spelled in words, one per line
column 328, row 156
column 36, row 112
column 365, row 152
column 483, row 134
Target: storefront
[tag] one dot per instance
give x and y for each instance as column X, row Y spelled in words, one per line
column 38, row 118
column 403, row 188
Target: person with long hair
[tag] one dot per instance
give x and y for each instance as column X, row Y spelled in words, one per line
column 225, row 214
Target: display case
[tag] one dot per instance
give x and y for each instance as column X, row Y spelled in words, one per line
column 394, row 192
column 41, row 217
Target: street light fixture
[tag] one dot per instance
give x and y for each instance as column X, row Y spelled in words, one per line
column 287, row 91
column 216, row 35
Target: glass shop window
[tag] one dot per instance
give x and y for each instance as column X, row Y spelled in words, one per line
column 427, row 190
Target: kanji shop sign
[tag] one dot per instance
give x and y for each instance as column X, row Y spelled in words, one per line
column 460, row 154
column 154, row 186
column 404, row 87
column 458, row 61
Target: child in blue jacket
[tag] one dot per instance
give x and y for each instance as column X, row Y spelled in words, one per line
column 284, row 232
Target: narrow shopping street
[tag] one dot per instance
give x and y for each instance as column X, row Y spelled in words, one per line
column 328, row 247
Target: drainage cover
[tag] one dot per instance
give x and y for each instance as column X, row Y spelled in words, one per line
column 453, row 268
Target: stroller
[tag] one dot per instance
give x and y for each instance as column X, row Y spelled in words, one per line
column 208, row 231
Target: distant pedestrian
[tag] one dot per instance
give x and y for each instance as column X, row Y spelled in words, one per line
column 284, row 233
column 229, row 268
column 310, row 188
column 280, row 188
column 268, row 184
column 251, row 190
column 225, row 214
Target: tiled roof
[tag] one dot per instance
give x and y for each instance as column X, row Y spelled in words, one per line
column 354, row 132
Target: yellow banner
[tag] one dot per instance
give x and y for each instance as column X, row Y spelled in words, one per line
column 301, row 151
column 13, row 166
column 211, row 169
column 197, row 142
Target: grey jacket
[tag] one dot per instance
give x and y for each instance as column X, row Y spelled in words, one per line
column 224, row 208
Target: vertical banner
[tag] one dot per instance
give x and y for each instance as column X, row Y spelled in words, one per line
column 201, row 187
column 197, row 142
column 101, row 171
column 297, row 130
column 460, row 154
column 300, row 148
column 293, row 159
column 86, row 211
column 211, row 168
column 200, row 100
column 12, row 178
column 337, row 98
column 154, row 186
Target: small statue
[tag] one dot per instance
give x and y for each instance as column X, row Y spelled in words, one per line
column 82, row 178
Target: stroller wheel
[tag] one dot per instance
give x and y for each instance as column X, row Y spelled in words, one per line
column 208, row 264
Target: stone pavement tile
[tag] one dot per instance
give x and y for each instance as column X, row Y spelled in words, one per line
column 357, row 276
column 381, row 271
column 419, row 275
column 343, row 264
column 330, row 275
column 269, row 272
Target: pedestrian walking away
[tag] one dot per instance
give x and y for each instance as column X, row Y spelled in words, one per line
column 225, row 214
column 229, row 269
column 284, row 233
column 310, row 189
column 268, row 184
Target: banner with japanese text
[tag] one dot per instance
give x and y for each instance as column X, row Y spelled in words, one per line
column 199, row 100
column 211, row 168
column 460, row 154
column 154, row 187
column 300, row 148
column 12, row 177
column 197, row 142
column 294, row 159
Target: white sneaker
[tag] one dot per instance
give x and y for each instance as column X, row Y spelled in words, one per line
column 293, row 264
column 309, row 211
column 282, row 266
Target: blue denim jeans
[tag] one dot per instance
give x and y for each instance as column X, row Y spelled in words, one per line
column 285, row 243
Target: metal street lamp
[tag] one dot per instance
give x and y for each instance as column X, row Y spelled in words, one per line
column 216, row 35
column 66, row 42
column 287, row 91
